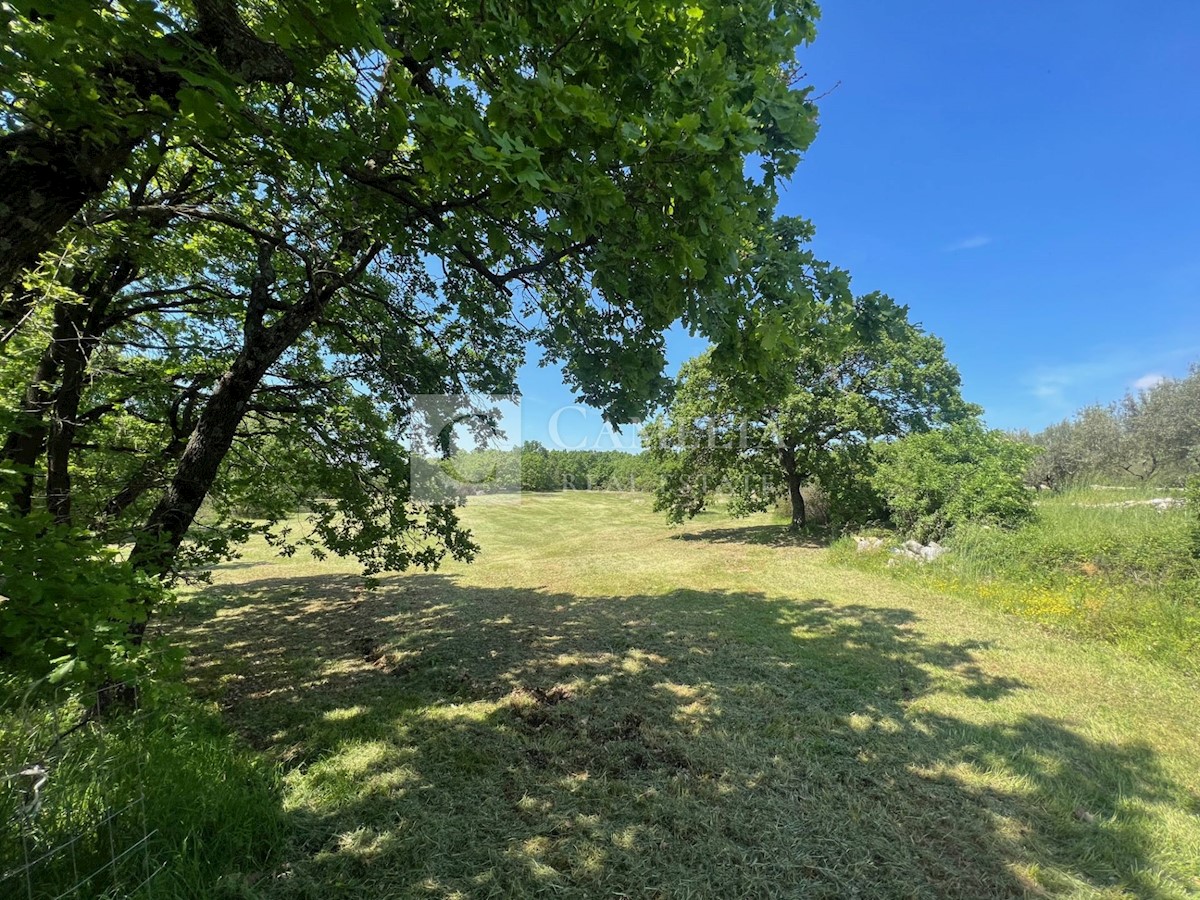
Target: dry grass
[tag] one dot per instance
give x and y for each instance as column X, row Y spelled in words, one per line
column 601, row 706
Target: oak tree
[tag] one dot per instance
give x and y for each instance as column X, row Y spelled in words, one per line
column 861, row 371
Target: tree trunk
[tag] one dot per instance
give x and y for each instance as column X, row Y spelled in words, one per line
column 159, row 539
column 47, row 175
column 24, row 444
column 45, row 179
column 794, row 481
column 64, row 420
column 77, row 330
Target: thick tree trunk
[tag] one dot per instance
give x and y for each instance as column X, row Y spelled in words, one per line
column 48, row 175
column 45, row 180
column 24, row 443
column 160, row 537
column 794, row 482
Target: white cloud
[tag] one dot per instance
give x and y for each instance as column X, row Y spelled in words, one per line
column 972, row 243
column 1053, row 384
column 1064, row 387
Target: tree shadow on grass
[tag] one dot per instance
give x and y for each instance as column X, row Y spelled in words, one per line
column 769, row 535
column 444, row 738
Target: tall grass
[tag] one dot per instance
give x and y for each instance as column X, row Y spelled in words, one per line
column 1125, row 575
column 158, row 801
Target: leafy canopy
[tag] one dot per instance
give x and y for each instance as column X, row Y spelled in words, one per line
column 258, row 231
column 859, row 372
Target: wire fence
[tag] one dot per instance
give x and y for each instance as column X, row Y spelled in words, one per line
column 73, row 798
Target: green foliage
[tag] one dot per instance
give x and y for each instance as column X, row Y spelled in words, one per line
column 849, row 492
column 67, row 603
column 858, row 371
column 294, row 230
column 1151, row 436
column 1192, row 498
column 538, row 469
column 942, row 479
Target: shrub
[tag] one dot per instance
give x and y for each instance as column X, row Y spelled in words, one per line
column 67, row 601
column 851, row 498
column 934, row 481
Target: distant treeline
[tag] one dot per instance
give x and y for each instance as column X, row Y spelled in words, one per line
column 1151, row 436
column 534, row 467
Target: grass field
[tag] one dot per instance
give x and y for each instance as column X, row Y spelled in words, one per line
column 1086, row 565
column 602, row 706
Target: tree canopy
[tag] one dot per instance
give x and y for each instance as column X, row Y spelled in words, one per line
column 239, row 240
column 860, row 371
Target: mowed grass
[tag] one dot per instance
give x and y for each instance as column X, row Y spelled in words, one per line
column 601, row 706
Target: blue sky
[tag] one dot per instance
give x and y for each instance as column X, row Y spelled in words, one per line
column 1025, row 176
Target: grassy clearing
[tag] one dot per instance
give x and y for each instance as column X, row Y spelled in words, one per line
column 601, row 706
column 1124, row 575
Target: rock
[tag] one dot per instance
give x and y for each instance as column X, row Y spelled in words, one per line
column 1162, row 504
column 915, row 550
column 932, row 551
column 867, row 544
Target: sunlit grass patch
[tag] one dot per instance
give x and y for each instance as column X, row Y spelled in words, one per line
column 600, row 708
column 1122, row 574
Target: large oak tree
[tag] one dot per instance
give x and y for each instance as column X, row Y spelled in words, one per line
column 857, row 372
column 293, row 218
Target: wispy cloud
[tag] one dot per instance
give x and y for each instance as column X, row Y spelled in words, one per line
column 1149, row 380
column 972, row 243
column 1063, row 388
column 1052, row 384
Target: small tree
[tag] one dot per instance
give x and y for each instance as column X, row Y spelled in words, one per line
column 966, row 473
column 861, row 372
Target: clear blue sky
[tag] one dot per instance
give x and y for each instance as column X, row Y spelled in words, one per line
column 1025, row 176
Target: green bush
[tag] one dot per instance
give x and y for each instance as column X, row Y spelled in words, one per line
column 851, row 498
column 937, row 480
column 67, row 601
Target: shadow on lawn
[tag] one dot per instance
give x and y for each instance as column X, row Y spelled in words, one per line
column 442, row 737
column 769, row 535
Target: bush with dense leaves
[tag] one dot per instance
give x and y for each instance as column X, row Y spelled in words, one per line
column 934, row 481
column 67, row 602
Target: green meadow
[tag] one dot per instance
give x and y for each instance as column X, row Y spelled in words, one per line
column 604, row 706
